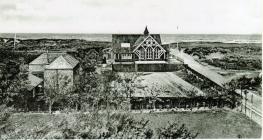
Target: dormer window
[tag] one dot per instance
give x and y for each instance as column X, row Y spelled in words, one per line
column 125, row 45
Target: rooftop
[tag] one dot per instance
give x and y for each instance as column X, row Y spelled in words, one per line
column 34, row 81
column 56, row 60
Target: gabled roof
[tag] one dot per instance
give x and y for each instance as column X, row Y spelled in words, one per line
column 143, row 37
column 170, row 84
column 141, row 40
column 45, row 58
column 133, row 39
column 63, row 62
column 71, row 60
column 34, row 81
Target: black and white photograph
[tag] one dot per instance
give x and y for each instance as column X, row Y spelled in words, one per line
column 131, row 69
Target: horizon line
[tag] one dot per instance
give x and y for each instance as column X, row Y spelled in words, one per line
column 129, row 33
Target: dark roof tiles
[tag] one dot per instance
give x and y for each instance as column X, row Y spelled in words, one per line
column 133, row 39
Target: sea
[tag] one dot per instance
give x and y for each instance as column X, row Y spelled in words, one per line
column 166, row 38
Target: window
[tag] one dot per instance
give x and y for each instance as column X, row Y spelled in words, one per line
column 142, row 53
column 126, row 56
column 156, row 52
column 149, row 53
column 125, row 45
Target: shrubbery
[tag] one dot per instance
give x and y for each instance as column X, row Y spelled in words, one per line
column 91, row 126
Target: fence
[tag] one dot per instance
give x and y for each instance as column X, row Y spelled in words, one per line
column 251, row 112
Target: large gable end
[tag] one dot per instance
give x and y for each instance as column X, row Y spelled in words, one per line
column 60, row 63
column 142, row 39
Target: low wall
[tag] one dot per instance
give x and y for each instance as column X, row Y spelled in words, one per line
column 123, row 67
column 146, row 67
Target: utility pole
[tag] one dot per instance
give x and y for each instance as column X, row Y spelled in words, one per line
column 177, row 40
column 14, row 42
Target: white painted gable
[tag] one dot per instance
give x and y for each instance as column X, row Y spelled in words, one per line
column 59, row 63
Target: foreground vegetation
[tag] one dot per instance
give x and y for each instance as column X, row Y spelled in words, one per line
column 97, row 96
column 206, row 124
column 91, row 125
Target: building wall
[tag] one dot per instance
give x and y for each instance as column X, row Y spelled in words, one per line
column 36, row 68
column 123, row 67
column 159, row 67
column 147, row 67
column 58, row 80
column 76, row 74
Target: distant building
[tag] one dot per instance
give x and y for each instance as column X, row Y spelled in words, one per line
column 139, row 48
column 54, row 68
column 140, row 52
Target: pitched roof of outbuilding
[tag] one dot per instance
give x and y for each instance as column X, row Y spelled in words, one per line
column 71, row 60
column 56, row 60
column 34, row 81
column 46, row 58
column 163, row 84
column 169, row 83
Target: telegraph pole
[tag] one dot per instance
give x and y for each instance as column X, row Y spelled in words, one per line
column 14, row 42
column 177, row 40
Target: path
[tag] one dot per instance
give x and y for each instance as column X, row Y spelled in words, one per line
column 189, row 60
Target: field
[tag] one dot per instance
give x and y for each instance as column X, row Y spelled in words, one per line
column 218, row 124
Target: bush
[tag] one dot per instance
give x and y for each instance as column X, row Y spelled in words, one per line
column 174, row 131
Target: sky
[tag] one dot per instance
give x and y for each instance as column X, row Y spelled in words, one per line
column 131, row 16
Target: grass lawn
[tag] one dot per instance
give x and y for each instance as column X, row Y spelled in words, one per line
column 218, row 124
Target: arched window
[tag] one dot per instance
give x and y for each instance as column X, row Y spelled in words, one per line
column 157, row 52
column 149, row 53
column 142, row 53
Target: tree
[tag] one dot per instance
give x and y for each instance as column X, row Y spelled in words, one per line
column 153, row 93
column 109, row 95
column 17, row 93
column 22, row 86
column 128, row 85
column 6, row 80
column 84, row 90
column 56, row 87
column 174, row 131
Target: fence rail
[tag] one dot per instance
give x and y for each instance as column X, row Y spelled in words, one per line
column 253, row 113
